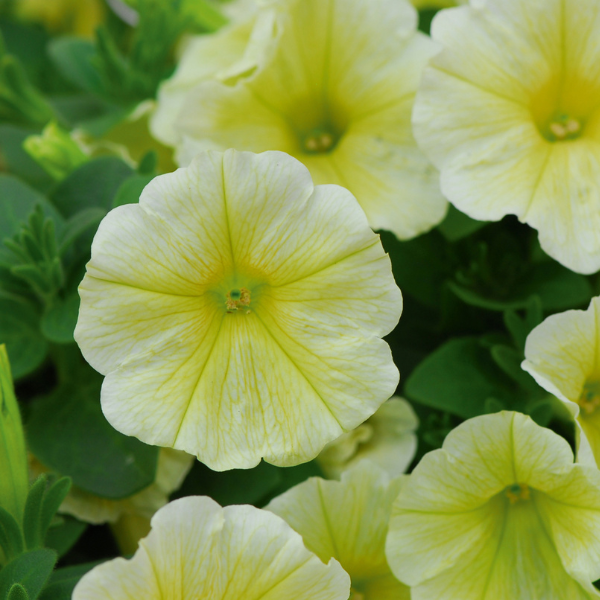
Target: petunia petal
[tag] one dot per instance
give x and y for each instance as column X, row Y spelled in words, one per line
column 196, row 549
column 347, row 520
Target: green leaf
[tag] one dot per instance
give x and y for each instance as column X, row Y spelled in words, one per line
column 14, row 482
column 493, row 405
column 53, row 498
column 238, row 486
column 79, row 109
column 32, row 527
column 63, row 581
column 31, row 569
column 87, row 219
column 17, row 202
column 68, row 433
column 457, row 225
column 15, row 160
column 63, row 533
column 557, row 287
column 72, row 57
column 458, row 378
column 148, row 163
column 17, row 592
column 20, row 100
column 131, row 189
column 19, row 330
column 58, row 324
column 11, row 537
column 93, row 185
column 420, row 265
column 291, row 476
column 542, row 412
column 519, row 328
column 27, row 41
column 509, row 360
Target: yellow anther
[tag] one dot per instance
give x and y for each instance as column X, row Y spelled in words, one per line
column 564, row 128
column 319, row 142
column 516, row 492
column 238, row 299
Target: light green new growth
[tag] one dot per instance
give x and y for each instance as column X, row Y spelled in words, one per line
column 55, row 151
column 14, row 484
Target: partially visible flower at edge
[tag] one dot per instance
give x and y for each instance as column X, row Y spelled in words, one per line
column 348, row 520
column 237, row 50
column 197, row 549
column 387, row 438
column 500, row 511
column 509, row 112
column 335, row 91
column 561, row 354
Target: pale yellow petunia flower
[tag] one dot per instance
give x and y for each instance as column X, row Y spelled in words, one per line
column 387, row 438
column 501, row 511
column 348, row 520
column 197, row 549
column 237, row 312
column 562, row 356
column 509, row 111
column 336, row 92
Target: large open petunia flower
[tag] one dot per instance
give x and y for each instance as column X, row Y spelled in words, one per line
column 197, row 549
column 237, row 312
column 387, row 439
column 509, row 111
column 336, row 92
column 348, row 520
column 562, row 355
column 501, row 511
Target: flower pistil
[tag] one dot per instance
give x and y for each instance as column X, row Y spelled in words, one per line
column 238, row 299
column 516, row 492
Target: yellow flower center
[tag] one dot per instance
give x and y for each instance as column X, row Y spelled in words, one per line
column 567, row 108
column 319, row 141
column 517, row 492
column 589, row 400
column 564, row 127
column 238, row 299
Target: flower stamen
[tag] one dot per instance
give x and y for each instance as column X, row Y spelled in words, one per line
column 516, row 492
column 565, row 127
column 319, row 141
column 238, row 299
column 589, row 400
